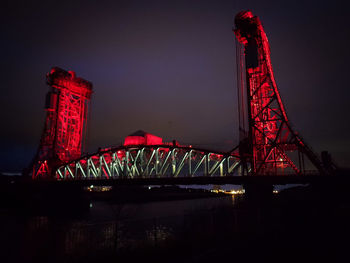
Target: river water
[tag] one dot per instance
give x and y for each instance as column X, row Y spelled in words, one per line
column 112, row 227
column 101, row 211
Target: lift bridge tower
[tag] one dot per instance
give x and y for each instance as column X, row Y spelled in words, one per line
column 65, row 128
column 268, row 144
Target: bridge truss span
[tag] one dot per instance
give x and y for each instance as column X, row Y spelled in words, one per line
column 151, row 161
column 268, row 146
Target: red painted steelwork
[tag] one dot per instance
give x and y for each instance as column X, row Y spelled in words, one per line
column 142, row 138
column 268, row 145
column 269, row 138
column 65, row 123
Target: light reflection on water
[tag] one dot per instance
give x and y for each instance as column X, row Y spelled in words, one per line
column 159, row 233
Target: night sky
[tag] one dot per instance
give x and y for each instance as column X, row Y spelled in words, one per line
column 169, row 68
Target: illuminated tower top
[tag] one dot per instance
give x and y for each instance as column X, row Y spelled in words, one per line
column 66, row 120
column 61, row 79
column 268, row 142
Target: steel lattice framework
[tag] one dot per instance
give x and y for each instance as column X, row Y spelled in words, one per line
column 268, row 142
column 65, row 124
column 268, row 145
column 141, row 161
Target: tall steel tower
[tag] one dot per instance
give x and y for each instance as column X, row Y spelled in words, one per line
column 65, row 128
column 268, row 143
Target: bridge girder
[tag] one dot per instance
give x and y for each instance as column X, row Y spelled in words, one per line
column 151, row 161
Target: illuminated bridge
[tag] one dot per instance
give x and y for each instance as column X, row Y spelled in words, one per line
column 164, row 165
column 268, row 147
column 151, row 161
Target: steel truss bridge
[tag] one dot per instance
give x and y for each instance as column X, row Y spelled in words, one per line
column 167, row 165
column 151, row 161
column 268, row 145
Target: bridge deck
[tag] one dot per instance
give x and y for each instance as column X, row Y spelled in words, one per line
column 203, row 180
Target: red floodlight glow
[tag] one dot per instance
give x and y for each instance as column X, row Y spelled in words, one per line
column 142, row 138
column 65, row 125
column 268, row 139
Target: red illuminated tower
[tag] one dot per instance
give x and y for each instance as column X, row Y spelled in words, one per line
column 268, row 144
column 66, row 121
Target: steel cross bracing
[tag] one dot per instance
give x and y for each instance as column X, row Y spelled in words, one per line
column 268, row 145
column 150, row 161
column 273, row 147
column 65, row 124
column 70, row 125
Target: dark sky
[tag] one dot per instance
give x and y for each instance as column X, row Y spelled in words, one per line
column 168, row 67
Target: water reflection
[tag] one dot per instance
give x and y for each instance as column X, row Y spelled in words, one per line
column 159, row 233
column 115, row 227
